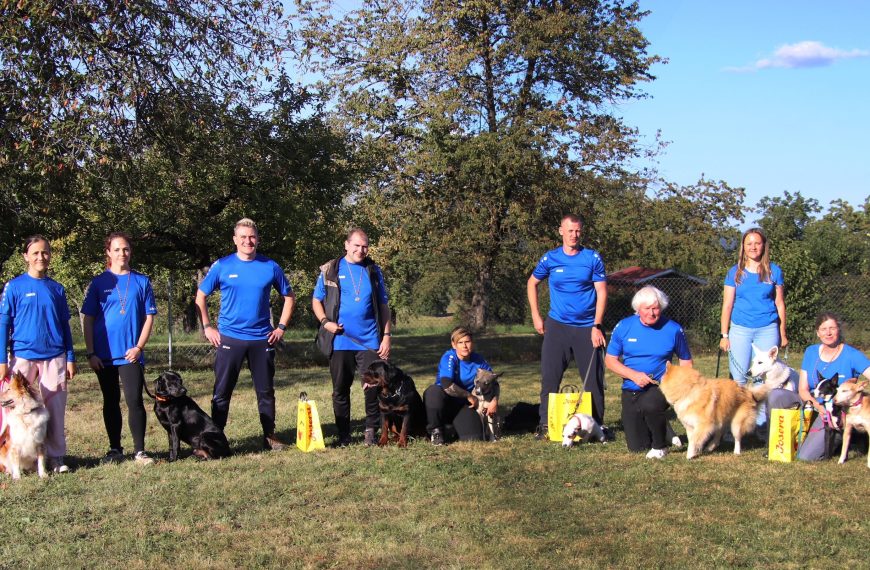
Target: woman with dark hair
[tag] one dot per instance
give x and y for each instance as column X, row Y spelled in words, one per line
column 118, row 316
column 831, row 358
column 450, row 399
column 753, row 306
column 34, row 327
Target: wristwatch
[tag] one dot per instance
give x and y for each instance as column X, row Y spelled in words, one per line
column 282, row 326
column 724, row 335
column 598, row 326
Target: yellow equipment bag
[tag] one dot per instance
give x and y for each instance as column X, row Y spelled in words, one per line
column 788, row 428
column 564, row 404
column 309, row 436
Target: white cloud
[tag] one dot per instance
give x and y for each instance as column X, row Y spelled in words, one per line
column 803, row 54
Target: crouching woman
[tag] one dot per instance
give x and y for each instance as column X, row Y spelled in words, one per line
column 646, row 342
column 450, row 399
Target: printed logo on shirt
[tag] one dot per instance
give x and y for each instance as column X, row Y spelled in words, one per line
column 225, row 347
column 341, row 276
column 107, row 290
column 232, row 276
column 31, row 294
column 632, row 340
column 560, row 271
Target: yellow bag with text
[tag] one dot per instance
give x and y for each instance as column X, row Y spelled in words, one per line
column 309, row 436
column 786, row 433
column 564, row 404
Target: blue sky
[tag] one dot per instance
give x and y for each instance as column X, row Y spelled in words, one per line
column 766, row 95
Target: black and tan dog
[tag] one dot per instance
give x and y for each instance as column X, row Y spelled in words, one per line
column 825, row 391
column 402, row 411
column 185, row 421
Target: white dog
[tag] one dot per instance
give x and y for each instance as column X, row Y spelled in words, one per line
column 584, row 426
column 774, row 372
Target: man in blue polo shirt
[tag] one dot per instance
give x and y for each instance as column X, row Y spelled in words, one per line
column 350, row 300
column 245, row 330
column 578, row 297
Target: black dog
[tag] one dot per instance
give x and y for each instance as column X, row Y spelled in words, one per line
column 402, row 411
column 826, row 389
column 185, row 421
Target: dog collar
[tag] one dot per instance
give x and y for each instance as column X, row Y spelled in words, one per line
column 857, row 404
column 161, row 398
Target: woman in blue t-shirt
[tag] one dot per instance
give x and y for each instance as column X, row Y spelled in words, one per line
column 646, row 342
column 34, row 327
column 450, row 398
column 753, row 304
column 118, row 315
column 831, row 358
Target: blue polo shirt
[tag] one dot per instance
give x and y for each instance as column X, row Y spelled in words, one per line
column 34, row 315
column 356, row 312
column 647, row 348
column 245, row 288
column 754, row 300
column 116, row 332
column 461, row 372
column 571, row 279
column 850, row 363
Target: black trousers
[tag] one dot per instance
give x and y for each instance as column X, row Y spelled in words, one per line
column 644, row 419
column 132, row 378
column 231, row 354
column 342, row 366
column 443, row 409
column 562, row 343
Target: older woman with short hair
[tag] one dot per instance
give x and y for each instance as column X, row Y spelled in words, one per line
column 645, row 342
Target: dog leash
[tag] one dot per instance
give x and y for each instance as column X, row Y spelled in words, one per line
column 581, row 390
column 744, row 374
column 359, row 342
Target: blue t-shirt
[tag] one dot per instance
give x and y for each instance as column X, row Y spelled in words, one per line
column 571, row 279
column 245, row 287
column 850, row 363
column 356, row 312
column 754, row 301
column 34, row 314
column 647, row 348
column 116, row 332
column 462, row 372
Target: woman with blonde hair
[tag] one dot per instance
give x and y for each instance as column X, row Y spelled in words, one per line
column 450, row 398
column 753, row 305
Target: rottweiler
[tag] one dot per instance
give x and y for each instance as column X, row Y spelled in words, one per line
column 185, row 421
column 402, row 411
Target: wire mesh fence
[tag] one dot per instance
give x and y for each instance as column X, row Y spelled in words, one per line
column 695, row 303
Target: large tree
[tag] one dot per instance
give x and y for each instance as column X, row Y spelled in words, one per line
column 479, row 114
column 80, row 81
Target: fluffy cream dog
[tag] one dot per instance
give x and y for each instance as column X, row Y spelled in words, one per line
column 706, row 406
column 22, row 443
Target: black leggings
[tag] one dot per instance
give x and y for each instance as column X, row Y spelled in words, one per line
column 132, row 378
column 644, row 419
column 443, row 409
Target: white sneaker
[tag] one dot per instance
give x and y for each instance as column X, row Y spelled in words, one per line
column 143, row 459
column 656, row 453
column 58, row 466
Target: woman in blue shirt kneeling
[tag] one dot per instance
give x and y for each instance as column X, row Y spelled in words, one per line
column 646, row 341
column 450, row 398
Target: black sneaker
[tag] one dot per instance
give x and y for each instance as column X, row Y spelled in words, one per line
column 437, row 438
column 542, row 433
column 113, row 456
column 342, row 441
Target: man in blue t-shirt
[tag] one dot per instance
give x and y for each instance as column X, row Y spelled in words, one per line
column 350, row 300
column 578, row 297
column 245, row 280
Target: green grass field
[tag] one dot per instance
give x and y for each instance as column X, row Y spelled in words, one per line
column 516, row 503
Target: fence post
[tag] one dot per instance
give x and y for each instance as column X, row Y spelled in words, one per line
column 169, row 318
